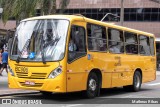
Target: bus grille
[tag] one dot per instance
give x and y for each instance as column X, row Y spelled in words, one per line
column 33, row 75
column 27, row 85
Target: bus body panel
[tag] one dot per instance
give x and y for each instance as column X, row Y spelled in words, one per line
column 77, row 75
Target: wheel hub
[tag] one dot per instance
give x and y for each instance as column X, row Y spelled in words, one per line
column 92, row 84
column 137, row 81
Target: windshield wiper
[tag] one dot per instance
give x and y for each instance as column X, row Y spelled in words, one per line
column 42, row 49
column 25, row 46
column 56, row 40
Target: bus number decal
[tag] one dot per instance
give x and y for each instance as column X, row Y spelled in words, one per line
column 21, row 69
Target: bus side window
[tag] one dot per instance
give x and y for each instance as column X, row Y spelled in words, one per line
column 144, row 42
column 76, row 46
column 152, row 46
column 97, row 39
column 115, row 41
column 131, row 43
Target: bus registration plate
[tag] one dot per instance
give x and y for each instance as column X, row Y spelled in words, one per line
column 29, row 83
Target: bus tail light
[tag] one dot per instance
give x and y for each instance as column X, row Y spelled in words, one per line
column 55, row 72
column 11, row 71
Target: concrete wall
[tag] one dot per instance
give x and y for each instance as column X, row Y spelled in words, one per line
column 111, row 4
column 151, row 27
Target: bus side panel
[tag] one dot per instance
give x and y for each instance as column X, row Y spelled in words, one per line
column 146, row 66
column 129, row 62
column 103, row 62
column 106, row 79
column 77, row 75
column 122, row 69
column 116, row 68
column 149, row 70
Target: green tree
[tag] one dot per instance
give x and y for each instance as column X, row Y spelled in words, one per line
column 21, row 9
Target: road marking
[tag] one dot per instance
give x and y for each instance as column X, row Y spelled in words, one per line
column 153, row 84
column 7, row 97
column 73, row 105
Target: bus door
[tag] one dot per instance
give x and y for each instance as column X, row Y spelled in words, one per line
column 77, row 58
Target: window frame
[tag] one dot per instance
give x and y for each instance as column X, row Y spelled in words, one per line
column 85, row 53
column 115, row 40
column 140, row 44
column 135, row 43
column 153, row 45
column 97, row 38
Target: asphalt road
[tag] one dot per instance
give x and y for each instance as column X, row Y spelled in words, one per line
column 3, row 81
column 149, row 90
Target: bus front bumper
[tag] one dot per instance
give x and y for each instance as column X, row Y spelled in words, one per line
column 50, row 85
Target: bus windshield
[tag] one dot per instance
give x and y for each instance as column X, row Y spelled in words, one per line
column 38, row 40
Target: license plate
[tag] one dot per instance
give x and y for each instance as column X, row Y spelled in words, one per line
column 29, row 83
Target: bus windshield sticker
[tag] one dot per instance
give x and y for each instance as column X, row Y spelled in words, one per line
column 89, row 56
column 25, row 54
column 32, row 55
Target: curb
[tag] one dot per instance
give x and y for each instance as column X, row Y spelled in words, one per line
column 158, row 73
column 17, row 93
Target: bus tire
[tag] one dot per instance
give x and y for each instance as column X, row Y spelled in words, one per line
column 92, row 85
column 45, row 93
column 137, row 81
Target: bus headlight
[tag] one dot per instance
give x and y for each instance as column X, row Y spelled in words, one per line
column 55, row 72
column 10, row 70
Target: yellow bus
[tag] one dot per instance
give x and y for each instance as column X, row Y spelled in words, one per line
column 69, row 53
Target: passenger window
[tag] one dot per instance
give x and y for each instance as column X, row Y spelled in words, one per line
column 76, row 46
column 97, row 40
column 152, row 46
column 131, row 43
column 115, row 41
column 144, row 46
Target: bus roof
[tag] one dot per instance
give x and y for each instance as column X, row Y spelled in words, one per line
column 82, row 18
column 157, row 39
column 67, row 17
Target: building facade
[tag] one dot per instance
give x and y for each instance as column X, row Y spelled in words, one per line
column 138, row 14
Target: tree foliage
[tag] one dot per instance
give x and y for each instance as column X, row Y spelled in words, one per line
column 21, row 9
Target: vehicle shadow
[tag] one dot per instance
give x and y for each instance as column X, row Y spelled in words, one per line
column 110, row 93
column 77, row 97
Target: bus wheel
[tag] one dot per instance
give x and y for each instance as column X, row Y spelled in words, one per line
column 137, row 81
column 92, row 85
column 45, row 93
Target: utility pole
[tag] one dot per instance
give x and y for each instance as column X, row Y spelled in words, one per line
column 122, row 13
column 1, row 10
